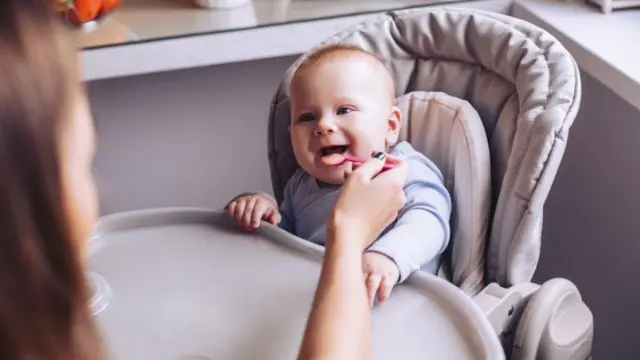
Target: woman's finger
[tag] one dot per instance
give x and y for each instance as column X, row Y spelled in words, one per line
column 386, row 157
column 350, row 168
column 370, row 168
column 392, row 160
column 394, row 178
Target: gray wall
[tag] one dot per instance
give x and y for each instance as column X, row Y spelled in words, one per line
column 188, row 138
column 591, row 226
column 197, row 137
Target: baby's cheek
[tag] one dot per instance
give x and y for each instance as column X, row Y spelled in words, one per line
column 364, row 145
column 372, row 138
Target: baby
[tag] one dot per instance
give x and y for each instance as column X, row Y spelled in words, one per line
column 342, row 101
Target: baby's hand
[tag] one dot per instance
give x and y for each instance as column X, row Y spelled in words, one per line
column 248, row 210
column 381, row 275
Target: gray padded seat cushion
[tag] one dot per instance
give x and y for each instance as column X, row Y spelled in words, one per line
column 522, row 82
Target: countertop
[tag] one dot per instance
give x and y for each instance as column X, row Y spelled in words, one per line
column 146, row 36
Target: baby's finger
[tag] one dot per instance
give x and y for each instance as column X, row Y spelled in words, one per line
column 248, row 212
column 231, row 208
column 239, row 208
column 373, row 283
column 371, row 294
column 238, row 212
column 386, row 285
column 273, row 216
column 259, row 210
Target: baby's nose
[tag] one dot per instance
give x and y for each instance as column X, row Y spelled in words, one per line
column 325, row 127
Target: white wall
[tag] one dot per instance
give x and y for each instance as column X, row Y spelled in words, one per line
column 198, row 137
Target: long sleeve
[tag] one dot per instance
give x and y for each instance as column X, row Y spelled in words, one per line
column 287, row 220
column 287, row 208
column 421, row 232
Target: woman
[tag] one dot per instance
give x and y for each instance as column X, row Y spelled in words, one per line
column 48, row 205
column 47, row 198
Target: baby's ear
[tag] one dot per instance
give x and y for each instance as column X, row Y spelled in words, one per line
column 394, row 122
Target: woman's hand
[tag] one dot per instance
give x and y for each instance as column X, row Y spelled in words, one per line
column 339, row 325
column 368, row 201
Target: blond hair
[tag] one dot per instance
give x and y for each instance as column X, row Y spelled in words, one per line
column 327, row 52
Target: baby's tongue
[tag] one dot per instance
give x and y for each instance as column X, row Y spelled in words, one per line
column 332, row 159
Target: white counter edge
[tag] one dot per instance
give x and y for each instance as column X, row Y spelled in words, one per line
column 596, row 65
column 209, row 49
column 260, row 43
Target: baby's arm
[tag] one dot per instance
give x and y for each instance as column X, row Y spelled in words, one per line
column 421, row 231
column 286, row 208
column 286, row 213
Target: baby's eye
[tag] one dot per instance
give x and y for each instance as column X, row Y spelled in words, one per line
column 343, row 110
column 306, row 117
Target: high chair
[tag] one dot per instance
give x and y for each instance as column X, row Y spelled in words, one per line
column 490, row 99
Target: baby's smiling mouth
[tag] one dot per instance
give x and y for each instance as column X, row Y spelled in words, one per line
column 333, row 155
column 335, row 149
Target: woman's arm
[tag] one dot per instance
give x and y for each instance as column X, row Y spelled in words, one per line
column 339, row 326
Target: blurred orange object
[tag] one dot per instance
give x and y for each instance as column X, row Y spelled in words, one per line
column 79, row 12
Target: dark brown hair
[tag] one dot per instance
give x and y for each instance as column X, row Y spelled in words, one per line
column 44, row 310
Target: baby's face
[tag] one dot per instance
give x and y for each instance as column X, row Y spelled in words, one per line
column 342, row 106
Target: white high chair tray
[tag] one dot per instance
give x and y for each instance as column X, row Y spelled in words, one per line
column 187, row 284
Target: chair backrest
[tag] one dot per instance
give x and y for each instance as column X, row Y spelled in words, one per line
column 450, row 133
column 522, row 82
